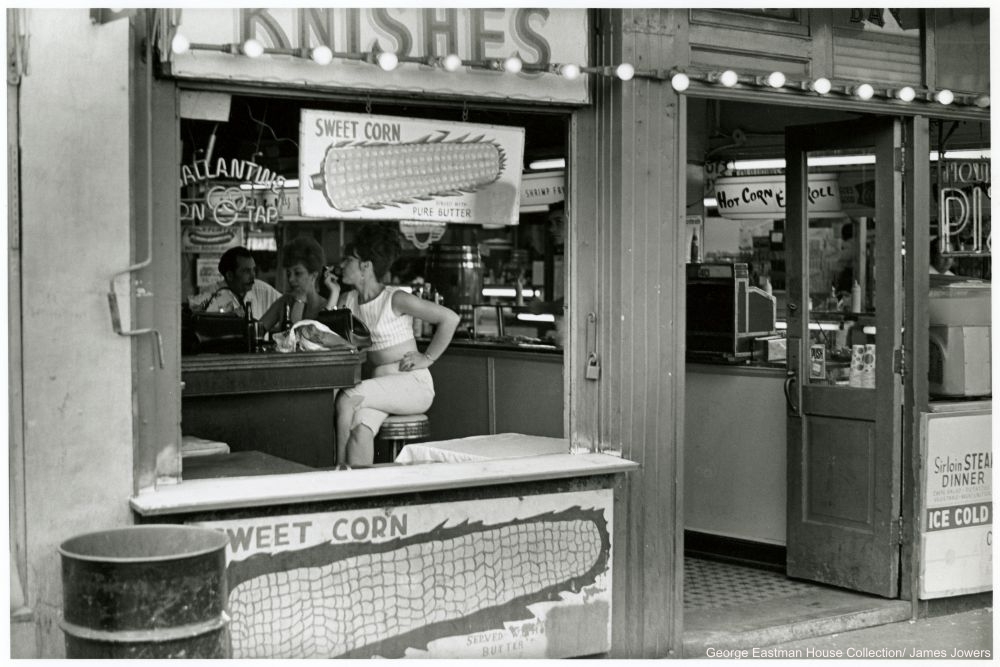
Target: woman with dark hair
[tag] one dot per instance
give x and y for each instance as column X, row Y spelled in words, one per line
column 303, row 260
column 400, row 382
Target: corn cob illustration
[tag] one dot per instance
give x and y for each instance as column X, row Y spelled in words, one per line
column 363, row 600
column 375, row 175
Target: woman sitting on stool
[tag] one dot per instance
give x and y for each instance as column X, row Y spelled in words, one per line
column 400, row 383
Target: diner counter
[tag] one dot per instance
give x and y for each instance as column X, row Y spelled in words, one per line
column 279, row 404
column 487, row 388
column 504, row 463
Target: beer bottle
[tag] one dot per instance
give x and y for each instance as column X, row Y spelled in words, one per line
column 249, row 327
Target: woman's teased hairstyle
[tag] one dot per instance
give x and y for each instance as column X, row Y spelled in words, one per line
column 306, row 251
column 377, row 243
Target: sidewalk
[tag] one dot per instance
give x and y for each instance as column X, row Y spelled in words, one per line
column 963, row 635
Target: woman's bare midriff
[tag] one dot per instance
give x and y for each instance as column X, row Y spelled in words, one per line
column 391, row 354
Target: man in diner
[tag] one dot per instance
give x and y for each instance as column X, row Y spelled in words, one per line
column 239, row 285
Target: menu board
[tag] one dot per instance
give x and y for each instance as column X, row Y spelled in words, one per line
column 956, row 517
column 367, row 167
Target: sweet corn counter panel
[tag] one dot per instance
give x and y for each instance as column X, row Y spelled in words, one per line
column 506, row 557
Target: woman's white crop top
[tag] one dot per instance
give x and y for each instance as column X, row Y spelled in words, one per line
column 386, row 326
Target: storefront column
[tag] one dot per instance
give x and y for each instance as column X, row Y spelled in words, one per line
column 627, row 308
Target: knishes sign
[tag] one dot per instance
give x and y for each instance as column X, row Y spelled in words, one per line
column 367, row 167
column 539, row 35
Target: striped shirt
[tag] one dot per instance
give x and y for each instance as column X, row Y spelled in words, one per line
column 386, row 326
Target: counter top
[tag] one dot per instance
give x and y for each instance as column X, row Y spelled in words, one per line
column 267, row 490
column 497, row 344
column 775, row 369
column 268, row 372
column 952, row 405
column 268, row 360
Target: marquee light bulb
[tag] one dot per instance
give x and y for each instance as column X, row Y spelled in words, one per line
column 680, row 82
column 983, row 101
column 906, row 94
column 451, row 63
column 625, row 72
column 570, row 71
column 776, row 79
column 865, row 91
column 180, row 44
column 388, row 61
column 944, row 96
column 322, row 55
column 513, row 65
column 821, row 85
column 729, row 78
column 252, row 48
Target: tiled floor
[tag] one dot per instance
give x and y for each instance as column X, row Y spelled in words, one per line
column 735, row 606
column 710, row 584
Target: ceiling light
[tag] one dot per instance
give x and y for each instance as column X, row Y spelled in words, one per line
column 821, row 85
column 451, row 62
column 864, row 91
column 179, row 44
column 776, row 79
column 513, row 65
column 387, row 60
column 680, row 82
column 906, row 94
column 252, row 48
column 944, row 96
column 729, row 78
column 819, row 161
column 322, row 55
column 625, row 72
column 971, row 154
column 569, row 71
column 549, row 163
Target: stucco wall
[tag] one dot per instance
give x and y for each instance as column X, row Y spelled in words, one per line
column 75, row 218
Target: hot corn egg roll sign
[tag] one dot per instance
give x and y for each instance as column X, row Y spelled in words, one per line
column 957, row 508
column 367, row 167
column 526, row 577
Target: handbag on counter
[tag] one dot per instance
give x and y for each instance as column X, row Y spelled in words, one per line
column 216, row 332
column 343, row 322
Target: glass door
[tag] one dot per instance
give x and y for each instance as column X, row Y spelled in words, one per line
column 843, row 254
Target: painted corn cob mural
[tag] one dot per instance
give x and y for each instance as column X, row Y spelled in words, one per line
column 374, row 175
column 366, row 599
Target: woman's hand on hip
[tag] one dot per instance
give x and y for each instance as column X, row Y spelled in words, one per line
column 412, row 361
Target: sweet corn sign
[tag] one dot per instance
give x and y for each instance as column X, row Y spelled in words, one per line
column 367, row 167
column 419, row 36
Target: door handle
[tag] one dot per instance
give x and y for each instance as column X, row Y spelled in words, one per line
column 791, row 378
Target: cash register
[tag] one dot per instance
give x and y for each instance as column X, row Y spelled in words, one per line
column 724, row 312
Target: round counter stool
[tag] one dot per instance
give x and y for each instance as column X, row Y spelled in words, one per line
column 401, row 429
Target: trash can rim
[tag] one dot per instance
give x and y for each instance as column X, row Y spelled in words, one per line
column 66, row 548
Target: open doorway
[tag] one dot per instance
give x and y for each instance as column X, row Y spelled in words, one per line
column 739, row 584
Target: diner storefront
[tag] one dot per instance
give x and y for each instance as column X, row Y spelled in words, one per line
column 567, row 414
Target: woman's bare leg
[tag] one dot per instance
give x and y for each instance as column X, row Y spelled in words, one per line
column 361, row 447
column 346, row 406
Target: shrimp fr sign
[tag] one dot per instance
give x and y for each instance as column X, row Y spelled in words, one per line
column 367, row 167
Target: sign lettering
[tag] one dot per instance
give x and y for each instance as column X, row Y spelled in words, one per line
column 539, row 36
column 409, row 33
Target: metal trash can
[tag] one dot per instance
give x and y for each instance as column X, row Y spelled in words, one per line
column 156, row 591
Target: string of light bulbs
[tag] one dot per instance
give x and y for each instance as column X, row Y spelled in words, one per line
column 680, row 80
column 822, row 86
